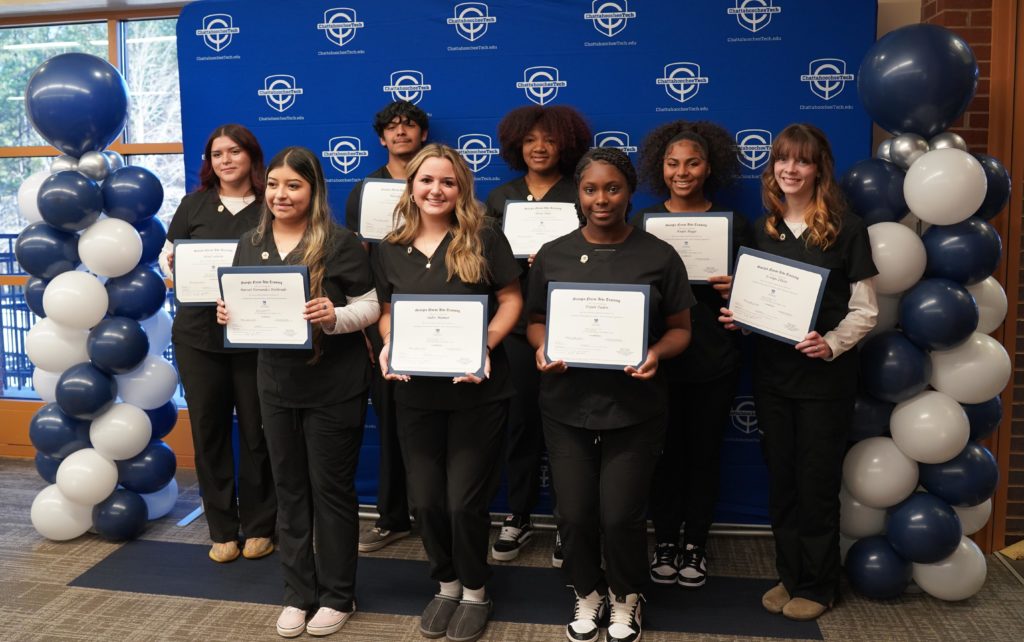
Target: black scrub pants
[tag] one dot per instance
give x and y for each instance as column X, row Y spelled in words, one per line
column 603, row 478
column 804, row 441
column 525, row 428
column 687, row 479
column 217, row 385
column 392, row 497
column 314, row 452
column 453, row 461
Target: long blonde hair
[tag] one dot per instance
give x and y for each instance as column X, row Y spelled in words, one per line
column 465, row 256
column 825, row 211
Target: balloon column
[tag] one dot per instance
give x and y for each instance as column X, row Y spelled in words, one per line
column 97, row 348
column 916, row 482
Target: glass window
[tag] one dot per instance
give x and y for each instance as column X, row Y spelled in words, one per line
column 13, row 171
column 151, row 70
column 170, row 169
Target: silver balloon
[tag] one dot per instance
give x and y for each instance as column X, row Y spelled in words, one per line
column 64, row 164
column 907, row 148
column 883, row 151
column 94, row 165
column 946, row 140
column 114, row 160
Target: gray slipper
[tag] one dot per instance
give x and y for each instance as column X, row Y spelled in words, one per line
column 435, row 618
column 469, row 621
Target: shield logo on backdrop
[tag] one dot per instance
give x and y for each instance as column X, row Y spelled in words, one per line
column 682, row 80
column 476, row 150
column 345, row 153
column 340, row 25
column 616, row 139
column 217, row 31
column 827, row 77
column 541, row 84
column 609, row 16
column 754, row 15
column 753, row 147
column 407, row 84
column 280, row 91
column 471, row 20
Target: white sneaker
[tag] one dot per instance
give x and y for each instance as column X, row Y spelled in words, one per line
column 327, row 621
column 291, row 623
column 586, row 618
column 624, row 625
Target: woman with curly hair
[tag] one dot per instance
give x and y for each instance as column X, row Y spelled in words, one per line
column 689, row 163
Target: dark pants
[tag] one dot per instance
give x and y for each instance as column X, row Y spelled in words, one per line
column 392, row 498
column 804, row 442
column 602, row 479
column 452, row 458
column 686, row 481
column 525, row 428
column 217, row 385
column 314, row 452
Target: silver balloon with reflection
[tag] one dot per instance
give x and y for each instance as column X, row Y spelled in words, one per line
column 884, row 150
column 64, row 163
column 115, row 161
column 907, row 148
column 947, row 140
column 94, row 165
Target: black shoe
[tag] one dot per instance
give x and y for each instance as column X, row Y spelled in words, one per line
column 624, row 623
column 693, row 567
column 469, row 621
column 435, row 618
column 663, row 564
column 587, row 615
column 515, row 532
column 557, row 559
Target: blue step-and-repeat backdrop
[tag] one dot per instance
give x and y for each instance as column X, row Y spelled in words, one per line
column 314, row 72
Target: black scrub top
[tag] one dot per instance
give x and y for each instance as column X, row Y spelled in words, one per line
column 781, row 368
column 352, row 204
column 401, row 269
column 201, row 216
column 285, row 377
column 607, row 399
column 714, row 351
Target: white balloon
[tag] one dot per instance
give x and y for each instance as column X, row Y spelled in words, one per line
column 158, row 329
column 87, row 477
column 974, row 518
column 857, row 520
column 898, row 254
column 56, row 348
column 27, row 193
column 930, row 427
column 957, row 577
column 945, row 186
column 44, row 383
column 991, row 300
column 974, row 371
column 888, row 314
column 162, row 501
column 75, row 300
column 877, row 474
column 150, row 385
column 95, row 165
column 110, row 247
column 56, row 517
column 121, row 432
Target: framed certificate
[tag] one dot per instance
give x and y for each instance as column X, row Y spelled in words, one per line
column 441, row 335
column 703, row 241
column 195, row 270
column 266, row 304
column 597, row 325
column 377, row 207
column 530, row 224
column 775, row 296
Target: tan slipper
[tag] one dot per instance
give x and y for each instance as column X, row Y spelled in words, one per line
column 257, row 547
column 775, row 599
column 802, row 609
column 224, row 552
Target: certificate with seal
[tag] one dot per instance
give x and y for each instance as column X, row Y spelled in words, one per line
column 441, row 335
column 597, row 325
column 265, row 306
column 703, row 241
column 195, row 269
column 530, row 224
column 775, row 296
column 377, row 207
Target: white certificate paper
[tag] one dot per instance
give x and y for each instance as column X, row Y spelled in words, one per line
column 703, row 241
column 377, row 207
column 265, row 306
column 438, row 335
column 597, row 325
column 195, row 269
column 776, row 297
column 530, row 224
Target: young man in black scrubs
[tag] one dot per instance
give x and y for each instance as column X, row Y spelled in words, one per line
column 402, row 128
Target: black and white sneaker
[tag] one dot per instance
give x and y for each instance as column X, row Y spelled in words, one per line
column 693, row 567
column 515, row 532
column 587, row 615
column 557, row 559
column 624, row 624
column 663, row 564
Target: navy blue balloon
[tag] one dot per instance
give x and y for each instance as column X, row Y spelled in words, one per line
column 77, row 102
column 57, row 434
column 967, row 252
column 136, row 295
column 874, row 189
column 34, row 288
column 870, row 417
column 163, row 419
column 917, row 79
column 153, row 234
column 132, row 194
column 923, row 528
column 117, row 345
column 876, row 570
column 150, row 470
column 44, row 251
column 938, row 314
column 85, row 392
column 966, row 480
column 892, row 368
column 120, row 517
column 47, row 467
column 984, row 417
column 70, row 201
column 998, row 193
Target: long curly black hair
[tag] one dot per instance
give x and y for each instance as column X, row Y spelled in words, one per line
column 717, row 143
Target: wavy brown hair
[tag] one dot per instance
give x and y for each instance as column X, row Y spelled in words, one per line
column 246, row 140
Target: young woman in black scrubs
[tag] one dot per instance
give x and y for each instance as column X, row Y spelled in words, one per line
column 545, row 143
column 804, row 393
column 219, row 381
column 688, row 163
column 451, row 431
column 604, row 428
column 314, row 401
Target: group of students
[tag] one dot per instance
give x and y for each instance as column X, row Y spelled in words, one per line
column 617, row 441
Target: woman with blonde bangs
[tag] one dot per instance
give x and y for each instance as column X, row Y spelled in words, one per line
column 804, row 394
column 451, row 436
